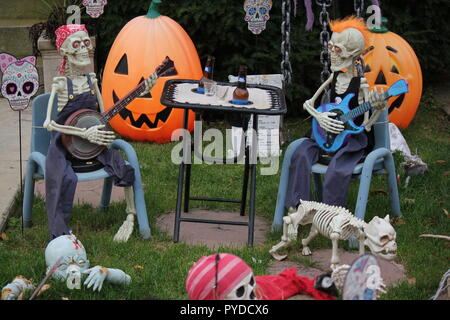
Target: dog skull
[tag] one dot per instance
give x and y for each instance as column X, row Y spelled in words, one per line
column 344, row 47
column 381, row 238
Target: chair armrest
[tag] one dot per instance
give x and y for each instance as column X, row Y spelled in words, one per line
column 39, row 159
column 120, row 144
column 378, row 153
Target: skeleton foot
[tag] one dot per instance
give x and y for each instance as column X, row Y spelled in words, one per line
column 275, row 248
column 277, row 256
column 306, row 251
column 125, row 231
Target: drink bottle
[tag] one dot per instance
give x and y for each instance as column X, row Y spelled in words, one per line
column 207, row 74
column 240, row 94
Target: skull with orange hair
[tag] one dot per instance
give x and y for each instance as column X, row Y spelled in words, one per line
column 347, row 42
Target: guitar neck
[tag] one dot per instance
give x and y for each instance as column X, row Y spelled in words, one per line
column 359, row 110
column 122, row 103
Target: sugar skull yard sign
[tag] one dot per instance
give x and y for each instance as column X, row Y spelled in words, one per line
column 257, row 14
column 20, row 80
column 95, row 8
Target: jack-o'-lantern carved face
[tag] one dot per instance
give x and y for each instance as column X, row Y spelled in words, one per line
column 392, row 59
column 137, row 50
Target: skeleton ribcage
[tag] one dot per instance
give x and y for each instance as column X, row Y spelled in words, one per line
column 322, row 221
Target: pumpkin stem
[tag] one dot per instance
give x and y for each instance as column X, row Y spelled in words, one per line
column 153, row 11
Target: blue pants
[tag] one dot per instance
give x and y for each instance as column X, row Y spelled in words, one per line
column 337, row 177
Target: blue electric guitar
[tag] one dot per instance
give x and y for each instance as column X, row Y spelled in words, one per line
column 331, row 142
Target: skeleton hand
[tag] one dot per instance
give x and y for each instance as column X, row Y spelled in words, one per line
column 377, row 99
column 329, row 124
column 324, row 119
column 97, row 276
column 149, row 83
column 95, row 135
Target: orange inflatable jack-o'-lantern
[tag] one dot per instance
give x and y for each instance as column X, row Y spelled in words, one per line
column 138, row 49
column 391, row 59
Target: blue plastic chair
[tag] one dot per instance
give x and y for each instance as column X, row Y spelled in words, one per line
column 40, row 140
column 378, row 161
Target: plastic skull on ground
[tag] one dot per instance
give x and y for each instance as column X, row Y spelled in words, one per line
column 221, row 277
column 20, row 80
column 74, row 264
column 95, row 8
column 257, row 14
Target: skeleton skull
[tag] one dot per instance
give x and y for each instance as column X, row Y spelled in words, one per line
column 257, row 14
column 76, row 48
column 244, row 290
column 381, row 238
column 73, row 263
column 94, row 8
column 344, row 47
column 20, row 80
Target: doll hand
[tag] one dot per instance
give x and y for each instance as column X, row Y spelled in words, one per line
column 95, row 135
column 377, row 99
column 329, row 124
column 149, row 83
column 97, row 276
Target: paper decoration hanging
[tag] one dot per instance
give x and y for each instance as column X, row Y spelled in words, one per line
column 257, row 14
column 20, row 80
column 94, row 8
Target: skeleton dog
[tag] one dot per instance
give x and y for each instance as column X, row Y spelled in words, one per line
column 337, row 223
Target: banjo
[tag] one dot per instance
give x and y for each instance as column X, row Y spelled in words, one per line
column 81, row 148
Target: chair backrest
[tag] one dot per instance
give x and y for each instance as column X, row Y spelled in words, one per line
column 381, row 131
column 40, row 137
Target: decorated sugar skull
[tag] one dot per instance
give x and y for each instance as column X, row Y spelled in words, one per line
column 381, row 238
column 94, row 8
column 73, row 263
column 257, row 14
column 346, row 43
column 20, row 80
column 221, row 277
column 74, row 45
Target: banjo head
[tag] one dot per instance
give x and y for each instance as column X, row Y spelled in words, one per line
column 78, row 147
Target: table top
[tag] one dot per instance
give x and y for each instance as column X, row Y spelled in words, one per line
column 264, row 99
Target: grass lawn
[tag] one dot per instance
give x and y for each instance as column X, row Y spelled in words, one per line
column 158, row 267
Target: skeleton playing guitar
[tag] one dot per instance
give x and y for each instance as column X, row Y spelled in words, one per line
column 331, row 142
column 81, row 148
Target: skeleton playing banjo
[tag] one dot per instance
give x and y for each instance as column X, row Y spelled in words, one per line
column 76, row 91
